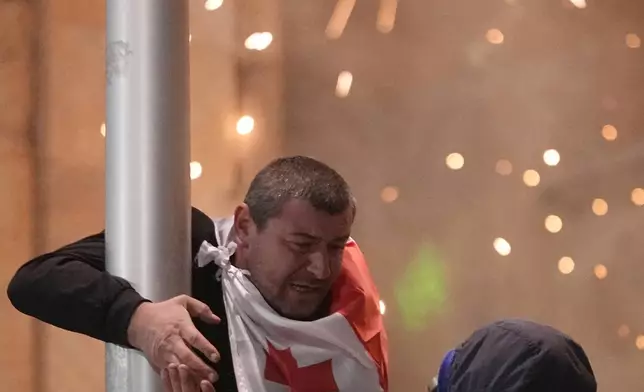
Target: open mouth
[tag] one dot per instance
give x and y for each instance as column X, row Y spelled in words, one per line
column 305, row 288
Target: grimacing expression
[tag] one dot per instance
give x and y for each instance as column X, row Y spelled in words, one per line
column 296, row 257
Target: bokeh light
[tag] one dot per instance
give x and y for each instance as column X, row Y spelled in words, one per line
column 245, row 125
column 343, row 86
column 502, row 246
column 195, row 170
column 553, row 223
column 212, row 5
column 551, row 157
column 503, row 167
column 531, row 178
column 637, row 196
column 639, row 342
column 494, row 36
column 609, row 132
column 389, row 194
column 455, row 161
column 581, row 4
column 566, row 265
column 623, row 331
column 633, row 41
column 258, row 41
column 600, row 207
column 601, row 272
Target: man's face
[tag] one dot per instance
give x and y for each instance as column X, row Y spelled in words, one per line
column 296, row 257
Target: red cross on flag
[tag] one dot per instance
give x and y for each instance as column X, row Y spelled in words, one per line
column 343, row 352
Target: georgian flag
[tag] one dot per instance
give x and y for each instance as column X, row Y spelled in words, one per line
column 344, row 352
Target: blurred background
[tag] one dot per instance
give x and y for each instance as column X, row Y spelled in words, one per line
column 495, row 148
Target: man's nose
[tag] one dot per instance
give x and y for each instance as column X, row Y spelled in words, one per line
column 319, row 265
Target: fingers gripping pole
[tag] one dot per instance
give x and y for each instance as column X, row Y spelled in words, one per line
column 147, row 163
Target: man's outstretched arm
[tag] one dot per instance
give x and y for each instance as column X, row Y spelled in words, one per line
column 69, row 288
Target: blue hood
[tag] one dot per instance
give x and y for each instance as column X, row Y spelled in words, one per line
column 519, row 356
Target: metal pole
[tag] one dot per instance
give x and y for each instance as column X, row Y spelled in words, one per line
column 147, row 163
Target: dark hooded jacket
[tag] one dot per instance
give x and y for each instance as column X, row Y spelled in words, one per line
column 519, row 356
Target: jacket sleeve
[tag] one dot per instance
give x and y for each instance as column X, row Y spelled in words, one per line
column 69, row 288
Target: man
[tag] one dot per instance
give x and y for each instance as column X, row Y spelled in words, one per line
column 516, row 356
column 281, row 279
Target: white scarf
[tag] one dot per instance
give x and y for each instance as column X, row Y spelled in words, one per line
column 272, row 353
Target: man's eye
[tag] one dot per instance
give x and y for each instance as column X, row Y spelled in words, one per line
column 302, row 247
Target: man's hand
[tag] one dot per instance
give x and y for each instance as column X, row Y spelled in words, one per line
column 165, row 333
column 180, row 379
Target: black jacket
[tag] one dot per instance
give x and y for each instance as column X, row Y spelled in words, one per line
column 69, row 288
column 520, row 356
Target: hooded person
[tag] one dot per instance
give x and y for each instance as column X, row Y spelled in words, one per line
column 516, row 356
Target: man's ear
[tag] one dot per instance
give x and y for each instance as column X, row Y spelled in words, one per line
column 244, row 225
